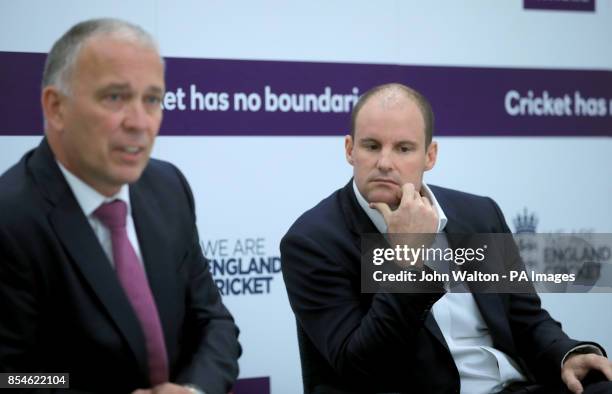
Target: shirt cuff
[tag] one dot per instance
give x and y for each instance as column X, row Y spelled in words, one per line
column 582, row 349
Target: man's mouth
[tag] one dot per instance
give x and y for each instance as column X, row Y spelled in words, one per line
column 385, row 181
column 131, row 149
column 130, row 153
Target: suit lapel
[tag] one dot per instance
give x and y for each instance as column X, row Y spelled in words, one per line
column 492, row 310
column 158, row 261
column 75, row 233
column 460, row 235
column 434, row 329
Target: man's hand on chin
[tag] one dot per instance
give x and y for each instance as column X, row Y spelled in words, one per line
column 414, row 215
column 577, row 366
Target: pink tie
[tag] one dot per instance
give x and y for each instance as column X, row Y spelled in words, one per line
column 134, row 282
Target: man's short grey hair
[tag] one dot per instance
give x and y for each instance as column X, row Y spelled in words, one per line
column 60, row 62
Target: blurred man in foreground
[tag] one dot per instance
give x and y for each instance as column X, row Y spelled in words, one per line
column 101, row 271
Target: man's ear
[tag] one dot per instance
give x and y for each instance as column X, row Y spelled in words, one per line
column 348, row 148
column 431, row 155
column 52, row 101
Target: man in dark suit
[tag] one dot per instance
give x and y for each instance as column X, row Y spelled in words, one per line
column 433, row 342
column 101, row 271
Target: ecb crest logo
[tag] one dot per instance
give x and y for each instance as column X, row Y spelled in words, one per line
column 582, row 254
column 525, row 223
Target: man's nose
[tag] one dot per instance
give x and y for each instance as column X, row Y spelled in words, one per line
column 136, row 116
column 384, row 162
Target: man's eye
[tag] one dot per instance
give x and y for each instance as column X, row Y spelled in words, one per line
column 113, row 97
column 405, row 149
column 371, row 146
column 153, row 100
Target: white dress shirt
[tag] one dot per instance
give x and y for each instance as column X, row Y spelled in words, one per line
column 89, row 200
column 482, row 368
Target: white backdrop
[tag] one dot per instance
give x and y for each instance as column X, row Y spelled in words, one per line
column 255, row 187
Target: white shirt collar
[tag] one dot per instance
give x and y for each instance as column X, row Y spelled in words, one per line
column 88, row 198
column 378, row 220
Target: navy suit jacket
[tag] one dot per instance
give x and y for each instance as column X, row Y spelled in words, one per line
column 386, row 342
column 62, row 307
